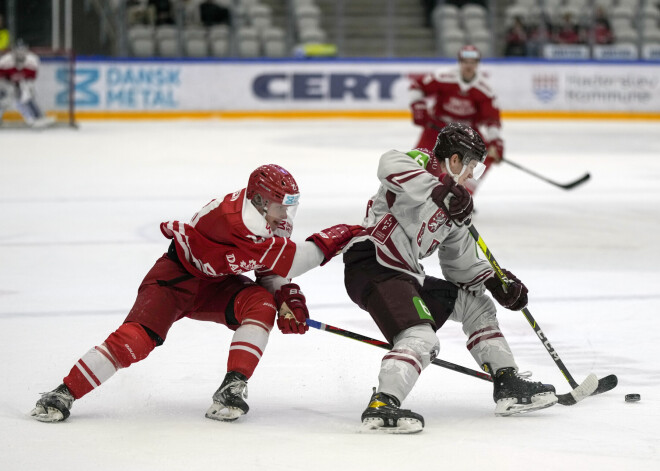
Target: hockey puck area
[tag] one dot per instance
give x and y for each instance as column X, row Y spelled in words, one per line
column 633, row 397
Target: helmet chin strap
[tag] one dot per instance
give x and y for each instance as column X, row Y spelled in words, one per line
column 452, row 174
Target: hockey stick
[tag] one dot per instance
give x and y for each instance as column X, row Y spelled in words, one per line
column 567, row 186
column 591, row 385
column 379, row 343
column 564, row 399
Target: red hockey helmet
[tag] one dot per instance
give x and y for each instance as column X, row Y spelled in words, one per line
column 273, row 184
column 469, row 52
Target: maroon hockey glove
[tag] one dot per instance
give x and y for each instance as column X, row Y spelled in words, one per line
column 292, row 310
column 453, row 199
column 496, row 149
column 333, row 239
column 515, row 296
column 420, row 113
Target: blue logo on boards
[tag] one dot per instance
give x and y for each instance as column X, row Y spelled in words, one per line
column 84, row 79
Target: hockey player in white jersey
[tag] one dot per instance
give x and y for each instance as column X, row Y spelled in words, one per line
column 18, row 72
column 421, row 208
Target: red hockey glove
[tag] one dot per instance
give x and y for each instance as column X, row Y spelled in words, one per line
column 420, row 113
column 496, row 149
column 292, row 310
column 459, row 205
column 515, row 296
column 333, row 239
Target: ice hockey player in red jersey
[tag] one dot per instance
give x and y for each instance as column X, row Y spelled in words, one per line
column 18, row 72
column 461, row 95
column 422, row 208
column 202, row 277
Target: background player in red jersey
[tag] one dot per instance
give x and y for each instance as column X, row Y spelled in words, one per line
column 18, row 71
column 202, row 277
column 460, row 95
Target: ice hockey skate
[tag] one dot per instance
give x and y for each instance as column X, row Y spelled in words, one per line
column 43, row 122
column 384, row 415
column 514, row 394
column 229, row 400
column 54, row 406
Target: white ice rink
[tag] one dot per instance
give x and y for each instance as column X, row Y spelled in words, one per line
column 79, row 214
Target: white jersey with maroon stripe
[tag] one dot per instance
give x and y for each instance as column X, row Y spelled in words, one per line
column 407, row 226
column 16, row 73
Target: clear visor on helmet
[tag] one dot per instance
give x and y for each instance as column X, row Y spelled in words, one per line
column 473, row 169
column 284, row 211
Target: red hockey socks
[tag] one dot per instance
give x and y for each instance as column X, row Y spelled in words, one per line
column 130, row 343
column 255, row 310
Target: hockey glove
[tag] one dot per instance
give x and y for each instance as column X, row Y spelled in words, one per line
column 420, row 113
column 513, row 297
column 496, row 149
column 333, row 239
column 453, row 199
column 292, row 310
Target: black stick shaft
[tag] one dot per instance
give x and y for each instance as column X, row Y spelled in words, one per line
column 566, row 186
column 379, row 343
column 528, row 315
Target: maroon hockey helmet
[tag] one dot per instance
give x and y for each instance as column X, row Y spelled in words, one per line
column 469, row 52
column 461, row 139
column 272, row 184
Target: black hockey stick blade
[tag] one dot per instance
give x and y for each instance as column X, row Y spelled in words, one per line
column 565, row 186
column 579, row 181
column 606, row 384
column 589, row 387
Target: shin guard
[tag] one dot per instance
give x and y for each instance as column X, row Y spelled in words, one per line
column 413, row 350
column 255, row 310
column 128, row 344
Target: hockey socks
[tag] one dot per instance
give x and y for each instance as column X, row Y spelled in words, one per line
column 129, row 344
column 247, row 347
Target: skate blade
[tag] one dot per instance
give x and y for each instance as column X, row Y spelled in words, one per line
column 48, row 415
column 509, row 406
column 223, row 413
column 403, row 426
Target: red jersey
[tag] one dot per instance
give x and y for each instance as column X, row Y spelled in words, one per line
column 471, row 103
column 15, row 73
column 230, row 237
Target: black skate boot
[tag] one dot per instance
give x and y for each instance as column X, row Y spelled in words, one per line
column 228, row 401
column 514, row 394
column 384, row 415
column 54, row 406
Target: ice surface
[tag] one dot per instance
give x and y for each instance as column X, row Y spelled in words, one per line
column 80, row 213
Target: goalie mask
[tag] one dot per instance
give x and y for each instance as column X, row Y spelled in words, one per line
column 274, row 192
column 20, row 52
column 456, row 138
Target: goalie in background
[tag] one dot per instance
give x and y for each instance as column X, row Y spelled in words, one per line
column 18, row 72
column 202, row 277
